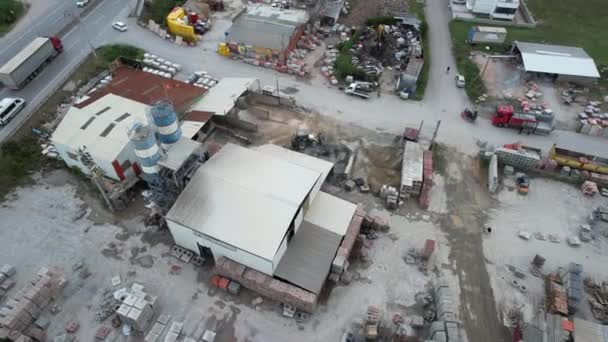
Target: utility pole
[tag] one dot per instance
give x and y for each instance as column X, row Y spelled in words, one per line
column 435, row 135
column 278, row 91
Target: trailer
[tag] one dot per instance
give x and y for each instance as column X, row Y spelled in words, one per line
column 578, row 160
column 28, row 63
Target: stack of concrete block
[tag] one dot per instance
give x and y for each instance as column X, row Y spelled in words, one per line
column 137, row 308
column 442, row 331
column 411, row 170
column 6, row 272
column 445, row 303
column 340, row 262
column 266, row 285
column 427, row 180
column 521, row 159
column 158, row 328
column 18, row 314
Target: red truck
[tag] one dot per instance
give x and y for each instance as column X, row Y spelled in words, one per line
column 506, row 117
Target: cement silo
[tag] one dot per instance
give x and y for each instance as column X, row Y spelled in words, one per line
column 146, row 148
column 165, row 119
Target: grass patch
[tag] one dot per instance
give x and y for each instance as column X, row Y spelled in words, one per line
column 440, row 162
column 375, row 21
column 10, row 12
column 109, row 53
column 17, row 160
column 158, row 10
column 418, row 9
column 474, row 86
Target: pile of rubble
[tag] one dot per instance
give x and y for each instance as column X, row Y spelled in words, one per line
column 294, row 63
column 592, row 121
column 598, row 300
column 19, row 317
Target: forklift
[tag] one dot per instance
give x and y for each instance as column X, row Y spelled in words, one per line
column 523, row 183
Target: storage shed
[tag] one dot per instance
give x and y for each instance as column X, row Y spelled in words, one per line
column 487, row 34
column 563, row 63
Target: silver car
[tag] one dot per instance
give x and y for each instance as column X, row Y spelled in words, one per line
column 9, row 107
column 460, row 83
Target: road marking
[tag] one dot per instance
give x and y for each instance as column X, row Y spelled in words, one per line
column 98, row 20
column 29, row 29
column 72, row 45
column 97, row 6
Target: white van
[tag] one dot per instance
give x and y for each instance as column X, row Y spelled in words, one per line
column 9, row 107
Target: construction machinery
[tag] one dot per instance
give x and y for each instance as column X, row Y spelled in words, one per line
column 30, row 61
column 469, row 115
column 523, row 183
column 304, row 139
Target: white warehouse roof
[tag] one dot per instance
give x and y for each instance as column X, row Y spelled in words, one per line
column 557, row 59
column 244, row 198
column 221, row 98
column 100, row 126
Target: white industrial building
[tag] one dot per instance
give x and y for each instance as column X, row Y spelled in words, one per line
column 101, row 127
column 264, row 209
column 564, row 63
column 221, row 99
column 494, row 9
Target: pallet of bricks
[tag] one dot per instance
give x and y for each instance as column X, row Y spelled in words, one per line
column 427, row 180
column 556, row 296
column 19, row 314
column 411, row 170
column 592, row 121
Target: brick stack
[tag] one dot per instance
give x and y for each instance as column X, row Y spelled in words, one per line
column 266, row 285
column 340, row 262
column 427, row 180
column 18, row 314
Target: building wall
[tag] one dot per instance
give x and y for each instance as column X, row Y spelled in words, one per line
column 484, row 6
column 188, row 238
column 279, row 254
column 576, row 79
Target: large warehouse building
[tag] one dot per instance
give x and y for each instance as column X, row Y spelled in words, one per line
column 263, row 209
column 563, row 63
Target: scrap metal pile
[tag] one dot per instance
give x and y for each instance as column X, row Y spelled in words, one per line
column 598, row 298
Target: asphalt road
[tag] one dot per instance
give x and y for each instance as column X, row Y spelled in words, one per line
column 91, row 29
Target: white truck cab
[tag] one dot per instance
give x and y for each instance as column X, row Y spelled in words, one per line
column 9, row 107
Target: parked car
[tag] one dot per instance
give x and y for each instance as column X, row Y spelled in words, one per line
column 460, row 83
column 120, row 26
column 82, row 3
column 9, row 107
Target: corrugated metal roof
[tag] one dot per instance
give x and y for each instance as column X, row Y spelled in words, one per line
column 178, row 153
column 222, row 97
column 190, row 128
column 586, row 331
column 260, row 34
column 331, row 213
column 557, row 59
column 82, row 127
column 308, row 257
column 146, row 88
column 301, row 159
column 22, row 55
column 244, row 198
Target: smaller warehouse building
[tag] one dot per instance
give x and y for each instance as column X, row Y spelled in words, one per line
column 269, row 31
column 99, row 122
column 562, row 63
column 221, row 99
column 264, row 209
